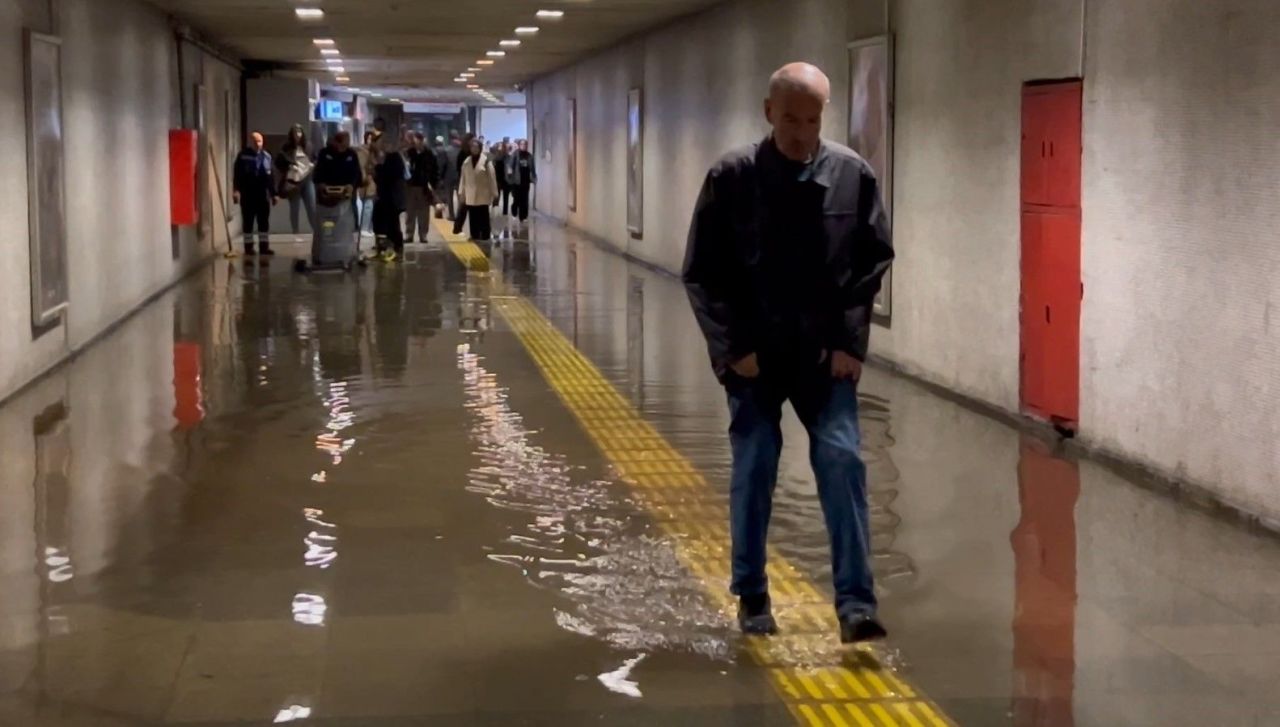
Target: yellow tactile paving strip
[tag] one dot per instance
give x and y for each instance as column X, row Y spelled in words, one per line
column 821, row 683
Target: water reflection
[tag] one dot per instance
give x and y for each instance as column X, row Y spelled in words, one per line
column 622, row 581
column 1044, row 547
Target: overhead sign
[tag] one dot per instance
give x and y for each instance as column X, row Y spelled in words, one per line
column 433, row 108
column 331, row 110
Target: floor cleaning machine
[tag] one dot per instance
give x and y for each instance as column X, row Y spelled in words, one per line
column 333, row 245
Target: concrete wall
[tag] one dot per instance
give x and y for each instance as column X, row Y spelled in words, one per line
column 1181, row 345
column 120, row 98
column 1180, row 256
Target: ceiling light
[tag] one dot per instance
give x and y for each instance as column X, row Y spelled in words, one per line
column 333, row 61
column 337, row 69
column 461, row 80
column 309, row 13
column 509, row 43
column 466, row 75
column 323, row 41
column 474, row 69
column 472, row 86
column 330, row 52
column 484, row 63
column 526, row 30
column 551, row 14
column 376, row 95
column 496, row 53
column 396, row 100
column 342, row 79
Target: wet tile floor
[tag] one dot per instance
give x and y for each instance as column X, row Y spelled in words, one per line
column 367, row 500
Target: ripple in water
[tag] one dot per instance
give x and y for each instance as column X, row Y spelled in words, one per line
column 621, row 581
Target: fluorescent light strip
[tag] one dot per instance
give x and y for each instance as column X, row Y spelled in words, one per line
column 526, row 30
column 509, row 43
column 309, row 13
column 484, row 63
column 342, row 79
column 551, row 14
column 466, row 75
column 323, row 42
column 337, row 69
column 496, row 54
column 330, row 52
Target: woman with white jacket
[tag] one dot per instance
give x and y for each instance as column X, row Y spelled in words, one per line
column 479, row 189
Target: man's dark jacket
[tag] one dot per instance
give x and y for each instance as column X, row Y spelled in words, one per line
column 424, row 170
column 338, row 168
column 391, row 183
column 253, row 177
column 780, row 264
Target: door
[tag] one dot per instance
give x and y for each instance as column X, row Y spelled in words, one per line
column 1051, row 281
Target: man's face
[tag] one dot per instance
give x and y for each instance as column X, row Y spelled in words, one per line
column 796, row 118
column 256, row 140
column 524, row 146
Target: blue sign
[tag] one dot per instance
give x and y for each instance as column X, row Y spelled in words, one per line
column 331, row 110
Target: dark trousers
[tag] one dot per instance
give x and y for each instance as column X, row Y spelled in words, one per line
column 480, row 226
column 505, row 193
column 520, row 202
column 255, row 211
column 460, row 219
column 829, row 411
column 386, row 222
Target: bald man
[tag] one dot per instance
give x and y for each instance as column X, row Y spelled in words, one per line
column 787, row 249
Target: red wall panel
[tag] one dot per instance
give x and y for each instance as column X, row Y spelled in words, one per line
column 184, row 159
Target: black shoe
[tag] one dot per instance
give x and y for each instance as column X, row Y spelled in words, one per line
column 755, row 615
column 266, row 251
column 248, row 250
column 858, row 628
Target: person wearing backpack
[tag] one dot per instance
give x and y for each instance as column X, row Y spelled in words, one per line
column 295, row 164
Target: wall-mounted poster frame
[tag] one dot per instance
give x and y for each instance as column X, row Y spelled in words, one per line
column 871, row 132
column 572, row 155
column 46, row 179
column 635, row 163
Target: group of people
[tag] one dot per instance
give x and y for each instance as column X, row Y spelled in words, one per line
column 260, row 181
column 461, row 180
column 388, row 179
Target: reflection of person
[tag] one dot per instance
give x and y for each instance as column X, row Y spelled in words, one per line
column 787, row 248
column 253, row 188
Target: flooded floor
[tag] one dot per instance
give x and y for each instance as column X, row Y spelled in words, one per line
column 429, row 494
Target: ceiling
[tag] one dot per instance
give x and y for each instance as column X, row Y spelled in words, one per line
column 414, row 49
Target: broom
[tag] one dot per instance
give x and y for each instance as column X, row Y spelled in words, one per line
column 222, row 203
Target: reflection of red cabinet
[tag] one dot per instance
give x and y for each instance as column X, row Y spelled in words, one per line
column 1051, row 278
column 184, row 159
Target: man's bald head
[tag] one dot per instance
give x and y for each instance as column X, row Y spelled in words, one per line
column 800, row 78
column 798, row 94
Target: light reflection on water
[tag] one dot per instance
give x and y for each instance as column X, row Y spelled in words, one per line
column 620, row 579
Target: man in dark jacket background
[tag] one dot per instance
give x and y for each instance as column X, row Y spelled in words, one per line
column 253, row 188
column 522, row 174
column 787, row 249
column 392, row 194
column 424, row 175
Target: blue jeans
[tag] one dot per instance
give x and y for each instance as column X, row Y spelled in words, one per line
column 829, row 411
column 306, row 197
